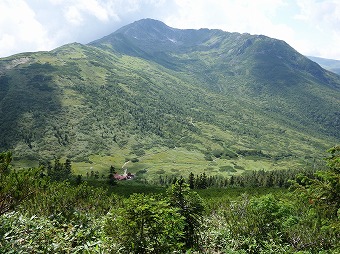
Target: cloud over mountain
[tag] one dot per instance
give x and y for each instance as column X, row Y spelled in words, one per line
column 311, row 27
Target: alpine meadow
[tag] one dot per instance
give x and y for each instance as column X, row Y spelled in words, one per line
column 161, row 140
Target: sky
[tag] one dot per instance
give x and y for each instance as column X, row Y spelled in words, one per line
column 312, row 27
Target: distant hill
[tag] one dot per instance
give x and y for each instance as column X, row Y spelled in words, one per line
column 178, row 100
column 328, row 64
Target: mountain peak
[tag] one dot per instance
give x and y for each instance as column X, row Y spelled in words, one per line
column 140, row 38
column 148, row 38
column 144, row 24
column 238, row 53
column 146, row 29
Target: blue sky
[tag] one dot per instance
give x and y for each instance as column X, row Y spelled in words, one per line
column 310, row 26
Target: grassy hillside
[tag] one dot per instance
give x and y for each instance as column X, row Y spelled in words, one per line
column 264, row 72
column 212, row 100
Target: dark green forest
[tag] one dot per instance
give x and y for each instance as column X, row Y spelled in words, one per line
column 49, row 210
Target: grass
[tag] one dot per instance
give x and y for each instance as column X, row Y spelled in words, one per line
column 180, row 161
column 127, row 188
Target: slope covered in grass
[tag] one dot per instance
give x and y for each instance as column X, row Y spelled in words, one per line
column 176, row 100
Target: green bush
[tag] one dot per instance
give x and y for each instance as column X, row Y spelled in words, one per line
column 134, row 160
column 227, row 169
column 16, row 186
column 64, row 202
column 23, row 234
column 217, row 153
column 318, row 203
column 145, row 224
column 254, row 222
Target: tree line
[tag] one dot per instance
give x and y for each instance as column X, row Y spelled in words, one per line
column 258, row 178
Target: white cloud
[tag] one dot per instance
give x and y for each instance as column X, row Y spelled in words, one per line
column 73, row 15
column 310, row 26
column 97, row 9
column 320, row 13
column 76, row 11
column 7, row 43
column 314, row 30
column 322, row 18
column 20, row 29
column 246, row 16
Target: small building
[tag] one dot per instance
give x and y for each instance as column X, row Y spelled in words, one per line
column 125, row 176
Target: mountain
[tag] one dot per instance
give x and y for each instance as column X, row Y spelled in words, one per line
column 328, row 64
column 236, row 65
column 174, row 100
column 215, row 50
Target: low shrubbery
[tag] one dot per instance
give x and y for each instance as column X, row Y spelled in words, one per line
column 58, row 217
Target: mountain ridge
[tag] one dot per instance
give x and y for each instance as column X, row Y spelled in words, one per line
column 328, row 64
column 158, row 44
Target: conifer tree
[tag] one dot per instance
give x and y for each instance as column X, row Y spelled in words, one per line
column 191, row 180
column 191, row 207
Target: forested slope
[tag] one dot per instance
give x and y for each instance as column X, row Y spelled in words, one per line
column 149, row 88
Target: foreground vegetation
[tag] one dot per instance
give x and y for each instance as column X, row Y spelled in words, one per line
column 40, row 212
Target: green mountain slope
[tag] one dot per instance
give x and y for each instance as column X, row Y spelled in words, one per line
column 178, row 100
column 241, row 66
